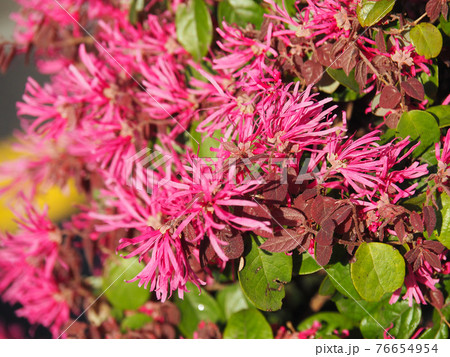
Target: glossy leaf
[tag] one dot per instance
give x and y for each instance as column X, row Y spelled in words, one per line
column 330, row 322
column 427, row 39
column 441, row 114
column 414, row 88
column 135, row 322
column 355, row 309
column 194, row 28
column 231, row 299
column 340, row 277
column 290, row 6
column 419, row 125
column 439, row 330
column 405, row 320
column 326, row 288
column 240, row 12
column 379, row 269
column 195, row 307
column 347, row 81
column 203, row 143
column 445, row 25
column 371, row 12
column 430, row 82
column 308, row 264
column 264, row 275
column 248, row 324
column 123, row 295
column 390, row 97
column 444, row 231
column 136, row 6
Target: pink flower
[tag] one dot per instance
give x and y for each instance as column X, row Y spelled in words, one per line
column 27, row 262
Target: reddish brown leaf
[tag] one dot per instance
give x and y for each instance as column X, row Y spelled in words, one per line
column 339, row 45
column 274, row 190
column 309, row 193
column 432, row 259
column 298, row 62
column 341, row 214
column 390, row 97
column 189, row 233
column 311, row 72
column 416, row 222
column 429, row 218
column 259, row 213
column 284, row 241
column 414, row 88
column 348, row 59
column 412, row 255
column 322, row 207
column 323, row 254
column 325, row 55
column 433, row 9
column 434, row 246
column 380, row 42
column 400, row 230
column 288, row 216
column 392, row 120
column 326, row 232
column 361, row 74
column 235, row 247
column 437, row 298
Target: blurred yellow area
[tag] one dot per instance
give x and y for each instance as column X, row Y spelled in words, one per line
column 60, row 204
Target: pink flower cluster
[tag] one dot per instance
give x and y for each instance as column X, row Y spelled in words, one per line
column 128, row 90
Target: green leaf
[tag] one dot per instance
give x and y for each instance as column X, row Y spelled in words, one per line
column 195, row 307
column 405, row 320
column 347, row 81
column 231, row 300
column 419, row 125
column 248, row 324
column 379, row 269
column 326, row 288
column 439, row 330
column 444, row 233
column 135, row 8
column 427, row 39
column 290, row 6
column 308, row 264
column 355, row 310
column 371, row 12
column 206, row 142
column 135, row 322
column 340, row 277
column 123, row 295
column 264, row 275
column 194, row 28
column 240, row 12
column 343, row 94
column 441, row 114
column 430, row 83
column 330, row 321
column 445, row 25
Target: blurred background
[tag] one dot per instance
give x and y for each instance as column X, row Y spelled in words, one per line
column 12, row 86
column 12, row 83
